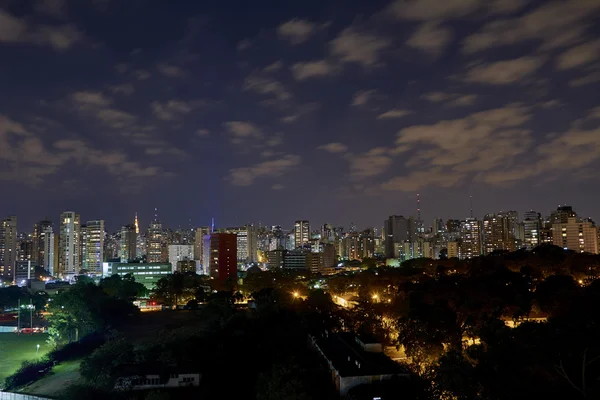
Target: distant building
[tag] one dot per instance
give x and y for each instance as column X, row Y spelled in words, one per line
column 499, row 232
column 471, row 235
column 157, row 381
column 48, row 262
column 128, row 243
column 69, row 261
column 246, row 243
column 24, row 272
column 275, row 259
column 38, row 238
column 94, row 247
column 145, row 273
column 453, row 249
column 577, row 235
column 301, row 233
column 186, row 266
column 532, row 225
column 180, row 252
column 8, row 246
column 154, row 242
column 199, row 241
column 354, row 361
column 223, row 257
column 398, row 230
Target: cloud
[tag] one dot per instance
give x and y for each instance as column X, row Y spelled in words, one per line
column 172, row 109
column 425, row 10
column 451, row 99
column 395, row 113
column 585, row 80
column 86, row 98
column 555, row 23
column 54, row 8
column 142, row 75
column 244, row 45
column 430, row 38
column 296, row 31
column 16, row 30
column 504, row 72
column 579, row 55
column 277, row 186
column 276, row 66
column 354, row 46
column 419, row 179
column 437, row 97
column 241, row 131
column 26, row 159
column 202, row 132
column 480, row 143
column 334, row 147
column 371, row 163
column 246, row 176
column 304, row 70
column 362, row 97
column 266, row 86
column 170, row 71
column 124, row 88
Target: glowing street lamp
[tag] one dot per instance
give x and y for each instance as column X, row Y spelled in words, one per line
column 375, row 297
column 296, row 295
column 37, row 349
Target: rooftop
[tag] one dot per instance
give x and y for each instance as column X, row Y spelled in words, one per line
column 349, row 359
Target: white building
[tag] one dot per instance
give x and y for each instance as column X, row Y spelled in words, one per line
column 144, row 382
column 49, row 251
column 180, row 252
column 94, row 247
column 69, row 262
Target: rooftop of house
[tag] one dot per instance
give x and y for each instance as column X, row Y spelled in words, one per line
column 350, row 359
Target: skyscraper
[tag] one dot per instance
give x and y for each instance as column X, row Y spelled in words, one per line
column 38, row 237
column 470, row 234
column 69, row 262
column 499, row 232
column 398, row 230
column 532, row 225
column 94, row 249
column 8, row 246
column 48, row 261
column 180, row 252
column 128, row 243
column 246, row 243
column 301, row 233
column 223, row 257
column 154, row 241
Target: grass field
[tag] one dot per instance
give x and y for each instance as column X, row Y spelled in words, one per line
column 62, row 375
column 14, row 349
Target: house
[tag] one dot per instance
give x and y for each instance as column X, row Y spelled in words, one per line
column 354, row 361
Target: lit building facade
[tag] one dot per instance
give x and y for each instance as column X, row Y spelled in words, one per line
column 398, row 230
column 301, row 233
column 576, row 235
column 8, row 246
column 69, row 261
column 499, row 232
column 48, row 262
column 246, row 243
column 128, row 243
column 94, row 247
column 154, row 242
column 471, row 238
column 223, row 257
column 145, row 273
column 532, row 225
column 180, row 252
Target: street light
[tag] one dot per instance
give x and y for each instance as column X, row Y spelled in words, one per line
column 296, row 295
column 37, row 349
column 375, row 297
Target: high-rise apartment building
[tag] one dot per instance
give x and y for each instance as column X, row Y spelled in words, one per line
column 398, row 230
column 246, row 243
column 223, row 257
column 8, row 246
column 470, row 235
column 69, row 261
column 128, row 243
column 94, row 248
column 499, row 232
column 199, row 241
column 48, row 263
column 301, row 233
column 577, row 235
column 154, row 242
column 38, row 237
column 180, row 252
column 532, row 225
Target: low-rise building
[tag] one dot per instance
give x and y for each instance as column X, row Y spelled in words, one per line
column 353, row 361
column 145, row 273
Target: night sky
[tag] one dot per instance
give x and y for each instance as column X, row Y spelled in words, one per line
column 272, row 111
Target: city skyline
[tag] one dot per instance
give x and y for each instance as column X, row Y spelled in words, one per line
column 324, row 108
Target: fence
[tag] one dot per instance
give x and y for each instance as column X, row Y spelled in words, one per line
column 18, row 396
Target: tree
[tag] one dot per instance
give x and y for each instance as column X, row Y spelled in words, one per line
column 102, row 368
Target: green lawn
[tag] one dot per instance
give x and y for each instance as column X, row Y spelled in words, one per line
column 62, row 376
column 14, row 349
